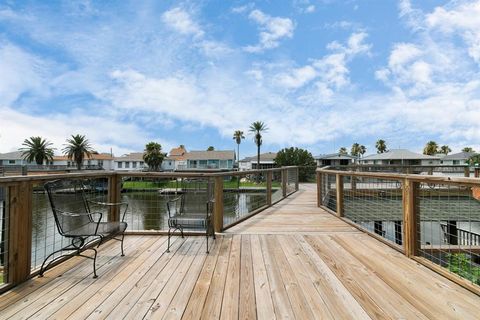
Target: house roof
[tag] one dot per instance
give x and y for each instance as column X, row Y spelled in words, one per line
column 134, row 156
column 399, row 154
column 210, row 155
column 333, row 156
column 15, row 155
column 459, row 156
column 267, row 156
column 178, row 153
column 94, row 156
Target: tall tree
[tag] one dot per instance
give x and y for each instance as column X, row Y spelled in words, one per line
column 474, row 160
column 362, row 150
column 343, row 150
column 238, row 136
column 355, row 150
column 445, row 149
column 77, row 148
column 153, row 155
column 211, row 148
column 468, row 149
column 381, row 146
column 37, row 149
column 257, row 128
column 297, row 157
column 430, row 148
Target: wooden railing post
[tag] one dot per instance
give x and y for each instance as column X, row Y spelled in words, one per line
column 296, row 178
column 466, row 171
column 269, row 188
column 410, row 217
column 284, row 182
column 319, row 189
column 114, row 196
column 218, row 208
column 19, row 232
column 477, row 173
column 339, row 184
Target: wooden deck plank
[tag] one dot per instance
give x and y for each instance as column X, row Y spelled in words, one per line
column 213, row 302
column 263, row 295
column 56, row 288
column 156, row 287
column 247, row 305
column 412, row 275
column 69, row 301
column 196, row 302
column 232, row 282
column 281, row 303
column 120, row 309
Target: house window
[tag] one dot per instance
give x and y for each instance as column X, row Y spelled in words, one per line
column 100, row 163
column 127, row 164
column 134, row 164
column 141, row 164
column 456, row 161
column 120, row 164
column 11, row 161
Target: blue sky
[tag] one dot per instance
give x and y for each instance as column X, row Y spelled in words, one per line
column 320, row 73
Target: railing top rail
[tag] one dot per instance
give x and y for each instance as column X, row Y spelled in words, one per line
column 175, row 174
column 426, row 166
column 402, row 176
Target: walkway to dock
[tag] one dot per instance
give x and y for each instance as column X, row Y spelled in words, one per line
column 293, row 260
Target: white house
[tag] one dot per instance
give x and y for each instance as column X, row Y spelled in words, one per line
column 454, row 159
column 266, row 162
column 176, row 159
column 130, row 162
column 204, row 160
column 95, row 161
column 13, row 159
column 399, row 157
column 335, row 159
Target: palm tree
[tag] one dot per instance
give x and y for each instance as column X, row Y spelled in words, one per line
column 343, row 150
column 445, row 149
column 355, row 151
column 381, row 146
column 362, row 150
column 238, row 136
column 430, row 148
column 257, row 128
column 153, row 155
column 37, row 149
column 468, row 149
column 76, row 148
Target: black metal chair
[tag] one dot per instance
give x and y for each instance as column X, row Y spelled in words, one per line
column 76, row 222
column 180, row 219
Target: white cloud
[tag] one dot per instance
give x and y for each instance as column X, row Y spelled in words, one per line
column 21, row 72
column 272, row 30
column 104, row 132
column 297, row 77
column 181, row 21
column 463, row 19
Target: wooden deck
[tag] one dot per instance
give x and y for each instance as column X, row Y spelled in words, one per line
column 291, row 261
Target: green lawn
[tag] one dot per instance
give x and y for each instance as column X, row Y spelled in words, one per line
column 132, row 185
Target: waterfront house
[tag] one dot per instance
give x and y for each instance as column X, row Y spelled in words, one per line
column 335, row 159
column 130, row 162
column 204, row 160
column 13, row 159
column 455, row 159
column 266, row 162
column 399, row 157
column 95, row 161
column 176, row 159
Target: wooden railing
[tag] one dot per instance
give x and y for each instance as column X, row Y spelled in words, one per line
column 407, row 211
column 21, row 197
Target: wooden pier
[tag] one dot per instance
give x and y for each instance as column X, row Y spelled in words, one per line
column 291, row 261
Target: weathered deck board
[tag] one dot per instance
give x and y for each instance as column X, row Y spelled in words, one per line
column 291, row 261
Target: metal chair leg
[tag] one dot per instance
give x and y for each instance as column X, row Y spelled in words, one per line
column 94, row 263
column 168, row 242
column 121, row 244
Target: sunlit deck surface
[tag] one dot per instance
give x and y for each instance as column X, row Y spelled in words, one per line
column 291, row 261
